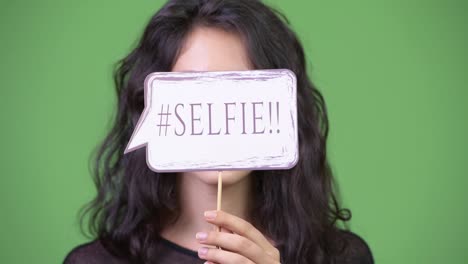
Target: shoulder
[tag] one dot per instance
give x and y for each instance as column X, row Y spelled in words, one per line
column 354, row 249
column 92, row 252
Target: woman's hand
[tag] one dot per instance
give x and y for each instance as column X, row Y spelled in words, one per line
column 245, row 245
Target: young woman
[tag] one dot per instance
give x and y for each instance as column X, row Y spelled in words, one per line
column 283, row 216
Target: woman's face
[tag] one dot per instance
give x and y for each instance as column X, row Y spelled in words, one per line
column 211, row 49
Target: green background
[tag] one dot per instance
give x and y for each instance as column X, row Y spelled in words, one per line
column 394, row 75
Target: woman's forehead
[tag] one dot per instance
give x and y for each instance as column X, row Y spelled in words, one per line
column 212, row 49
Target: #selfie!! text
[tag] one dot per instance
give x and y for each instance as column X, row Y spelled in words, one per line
column 194, row 119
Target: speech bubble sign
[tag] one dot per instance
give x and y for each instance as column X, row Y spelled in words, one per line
column 230, row 120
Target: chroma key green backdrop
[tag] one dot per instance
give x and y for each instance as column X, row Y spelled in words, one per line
column 394, row 75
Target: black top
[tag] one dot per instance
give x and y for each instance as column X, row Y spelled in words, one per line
column 358, row 252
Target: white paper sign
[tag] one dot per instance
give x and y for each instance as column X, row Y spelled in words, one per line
column 227, row 120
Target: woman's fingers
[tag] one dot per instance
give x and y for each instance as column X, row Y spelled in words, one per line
column 234, row 243
column 222, row 256
column 242, row 228
column 243, row 243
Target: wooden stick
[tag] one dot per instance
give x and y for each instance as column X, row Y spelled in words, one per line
column 220, row 194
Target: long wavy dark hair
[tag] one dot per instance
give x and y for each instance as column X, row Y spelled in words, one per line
column 297, row 208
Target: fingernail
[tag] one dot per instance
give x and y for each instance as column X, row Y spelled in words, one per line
column 202, row 251
column 210, row 215
column 201, row 235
